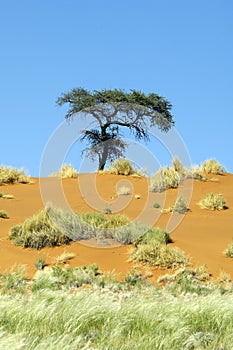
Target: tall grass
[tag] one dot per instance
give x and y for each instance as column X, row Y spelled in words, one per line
column 151, row 319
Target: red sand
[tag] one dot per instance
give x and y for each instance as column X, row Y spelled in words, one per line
column 202, row 234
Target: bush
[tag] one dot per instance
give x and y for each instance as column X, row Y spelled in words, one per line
column 154, row 235
column 66, row 171
column 121, row 166
column 3, row 214
column 37, row 232
column 156, row 205
column 229, row 251
column 11, row 175
column 123, row 191
column 163, row 179
column 212, row 166
column 160, row 255
column 213, row 202
column 40, row 264
column 180, row 206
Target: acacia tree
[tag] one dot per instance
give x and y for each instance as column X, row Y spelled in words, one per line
column 114, row 110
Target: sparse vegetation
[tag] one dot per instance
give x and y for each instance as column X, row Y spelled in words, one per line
column 213, row 202
column 64, row 258
column 11, row 175
column 123, row 191
column 212, row 166
column 40, row 264
column 3, row 214
column 121, row 166
column 156, row 205
column 163, row 179
column 107, row 210
column 66, row 171
column 6, row 196
column 229, row 251
column 180, row 206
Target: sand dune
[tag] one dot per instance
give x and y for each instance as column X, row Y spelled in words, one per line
column 202, row 234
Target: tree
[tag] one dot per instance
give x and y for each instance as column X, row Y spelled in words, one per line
column 113, row 110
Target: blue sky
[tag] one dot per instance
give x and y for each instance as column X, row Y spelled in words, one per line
column 182, row 50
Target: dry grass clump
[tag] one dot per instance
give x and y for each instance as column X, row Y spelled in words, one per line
column 123, row 191
column 10, row 175
column 152, row 248
column 213, row 202
column 164, row 178
column 3, row 214
column 121, row 166
column 64, row 258
column 212, row 166
column 229, row 251
column 37, row 232
column 65, row 172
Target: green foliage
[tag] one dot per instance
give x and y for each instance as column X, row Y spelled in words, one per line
column 156, row 205
column 14, row 281
column 229, row 251
column 212, row 166
column 180, row 206
column 153, row 236
column 160, row 255
column 66, row 171
column 3, row 214
column 107, row 210
column 213, row 202
column 37, row 232
column 40, row 264
column 114, row 110
column 11, row 175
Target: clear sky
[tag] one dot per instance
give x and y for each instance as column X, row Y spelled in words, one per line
column 182, row 50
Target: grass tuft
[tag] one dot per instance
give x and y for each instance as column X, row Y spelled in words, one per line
column 212, row 166
column 65, row 172
column 213, row 202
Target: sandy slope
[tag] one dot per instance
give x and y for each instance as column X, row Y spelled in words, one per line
column 202, row 234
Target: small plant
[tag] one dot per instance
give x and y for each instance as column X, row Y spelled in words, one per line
column 213, row 202
column 6, row 196
column 156, row 205
column 66, row 171
column 121, row 166
column 40, row 264
column 180, row 206
column 123, row 191
column 3, row 214
column 133, row 277
column 163, row 179
column 64, row 258
column 212, row 166
column 229, row 251
column 107, row 210
column 11, row 175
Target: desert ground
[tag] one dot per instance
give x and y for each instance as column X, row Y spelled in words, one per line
column 202, row 234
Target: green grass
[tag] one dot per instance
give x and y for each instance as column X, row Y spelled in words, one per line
column 3, row 214
column 213, row 202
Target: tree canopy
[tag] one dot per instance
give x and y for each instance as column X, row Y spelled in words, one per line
column 113, row 110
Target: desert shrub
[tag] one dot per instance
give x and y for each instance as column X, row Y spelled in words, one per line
column 229, row 251
column 156, row 205
column 163, row 179
column 11, row 175
column 180, row 206
column 160, row 255
column 66, row 171
column 154, row 235
column 40, row 264
column 212, row 166
column 37, row 232
column 6, row 196
column 64, row 258
column 3, row 214
column 213, row 202
column 121, row 166
column 134, row 277
column 14, row 281
column 107, row 210
column 130, row 233
column 196, row 173
column 123, row 191
column 180, row 168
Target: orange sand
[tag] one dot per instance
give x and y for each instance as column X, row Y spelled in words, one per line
column 202, row 234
